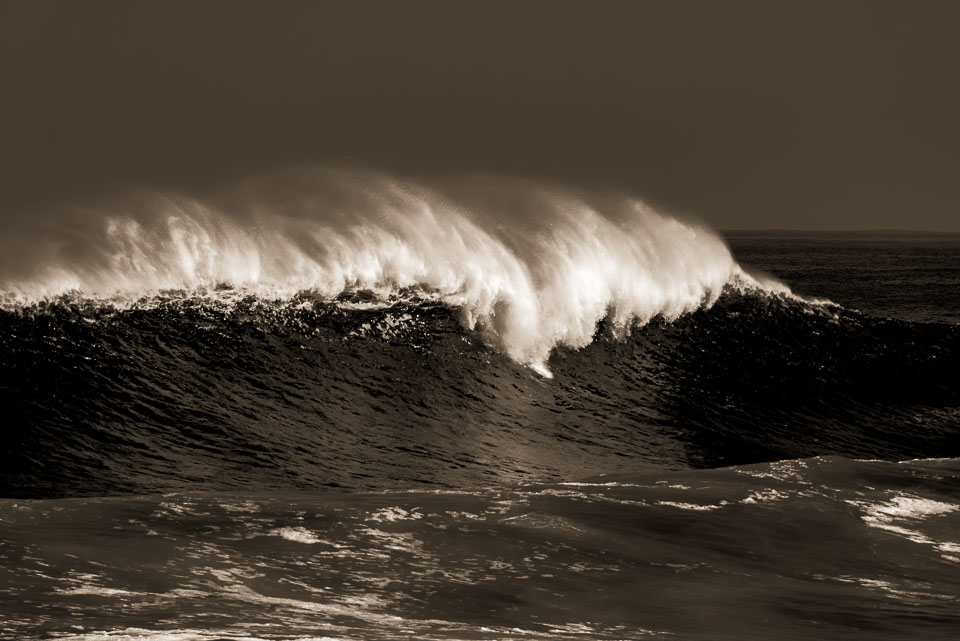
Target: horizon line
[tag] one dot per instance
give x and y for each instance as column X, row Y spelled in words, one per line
column 870, row 230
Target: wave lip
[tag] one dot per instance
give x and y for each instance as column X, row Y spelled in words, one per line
column 533, row 266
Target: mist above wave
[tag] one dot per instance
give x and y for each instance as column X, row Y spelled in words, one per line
column 532, row 265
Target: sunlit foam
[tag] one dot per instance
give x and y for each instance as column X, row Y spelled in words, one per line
column 532, row 276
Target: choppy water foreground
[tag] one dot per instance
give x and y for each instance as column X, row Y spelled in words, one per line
column 825, row 548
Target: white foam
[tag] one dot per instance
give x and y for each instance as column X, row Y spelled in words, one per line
column 909, row 507
column 298, row 535
column 765, row 496
column 96, row 590
column 532, row 275
column 689, row 506
column 902, row 511
column 394, row 513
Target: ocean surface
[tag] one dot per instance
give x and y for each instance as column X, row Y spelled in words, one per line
column 334, row 405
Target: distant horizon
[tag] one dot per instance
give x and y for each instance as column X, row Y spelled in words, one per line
column 865, row 230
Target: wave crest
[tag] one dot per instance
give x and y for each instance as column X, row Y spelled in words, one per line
column 534, row 266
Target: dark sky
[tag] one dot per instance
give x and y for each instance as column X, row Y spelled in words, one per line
column 804, row 114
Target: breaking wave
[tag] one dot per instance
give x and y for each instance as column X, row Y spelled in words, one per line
column 534, row 266
column 181, row 393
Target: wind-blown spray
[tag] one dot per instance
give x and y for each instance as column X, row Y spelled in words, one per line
column 535, row 266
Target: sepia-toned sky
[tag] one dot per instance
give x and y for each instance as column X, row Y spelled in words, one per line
column 840, row 114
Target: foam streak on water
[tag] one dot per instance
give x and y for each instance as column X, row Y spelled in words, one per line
column 788, row 550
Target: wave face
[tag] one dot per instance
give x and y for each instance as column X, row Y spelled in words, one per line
column 534, row 266
column 188, row 393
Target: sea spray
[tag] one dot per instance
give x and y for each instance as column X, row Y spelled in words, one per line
column 533, row 265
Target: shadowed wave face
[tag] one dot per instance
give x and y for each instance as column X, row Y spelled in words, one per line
column 198, row 394
column 319, row 328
